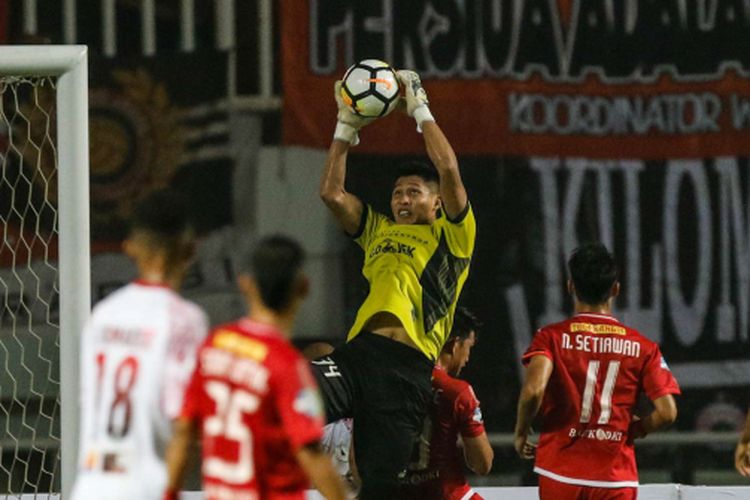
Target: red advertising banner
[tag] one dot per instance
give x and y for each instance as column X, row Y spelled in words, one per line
column 635, row 79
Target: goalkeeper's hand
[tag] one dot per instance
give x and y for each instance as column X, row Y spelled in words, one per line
column 417, row 104
column 348, row 122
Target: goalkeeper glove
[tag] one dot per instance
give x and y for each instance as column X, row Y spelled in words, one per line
column 417, row 104
column 348, row 122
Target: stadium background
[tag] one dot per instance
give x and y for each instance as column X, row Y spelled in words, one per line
column 573, row 120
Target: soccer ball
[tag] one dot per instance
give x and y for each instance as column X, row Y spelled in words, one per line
column 370, row 88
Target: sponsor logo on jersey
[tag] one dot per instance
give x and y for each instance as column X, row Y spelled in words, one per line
column 596, row 434
column 598, row 329
column 394, row 247
column 240, row 345
column 664, row 364
column 308, row 403
column 418, row 477
column 477, row 417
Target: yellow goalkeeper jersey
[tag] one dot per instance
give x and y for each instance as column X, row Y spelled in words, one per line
column 415, row 272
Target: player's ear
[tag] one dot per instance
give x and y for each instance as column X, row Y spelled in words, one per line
column 127, row 247
column 189, row 247
column 456, row 346
column 303, row 286
column 615, row 289
column 571, row 287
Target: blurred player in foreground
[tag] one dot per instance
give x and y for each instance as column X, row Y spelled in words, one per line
column 138, row 352
column 416, row 265
column 437, row 468
column 585, row 374
column 252, row 396
column 742, row 452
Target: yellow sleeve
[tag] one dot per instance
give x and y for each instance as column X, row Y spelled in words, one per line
column 369, row 226
column 461, row 232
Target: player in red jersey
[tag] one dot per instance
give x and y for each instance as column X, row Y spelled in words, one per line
column 583, row 377
column 437, row 468
column 253, row 397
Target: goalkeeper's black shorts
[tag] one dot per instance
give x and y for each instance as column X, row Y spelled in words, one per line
column 386, row 387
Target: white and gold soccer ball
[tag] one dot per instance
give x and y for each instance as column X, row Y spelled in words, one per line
column 370, row 88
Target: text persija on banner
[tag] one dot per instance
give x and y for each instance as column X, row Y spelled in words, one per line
column 634, row 79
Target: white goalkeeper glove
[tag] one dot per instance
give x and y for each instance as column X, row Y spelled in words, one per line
column 349, row 123
column 417, row 104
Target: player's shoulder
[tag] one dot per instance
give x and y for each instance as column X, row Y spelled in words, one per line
column 646, row 342
column 117, row 295
column 607, row 324
column 116, row 299
column 261, row 341
column 554, row 329
column 378, row 217
column 284, row 351
column 452, row 387
column 186, row 307
column 464, row 219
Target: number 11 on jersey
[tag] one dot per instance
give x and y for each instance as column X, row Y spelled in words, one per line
column 605, row 398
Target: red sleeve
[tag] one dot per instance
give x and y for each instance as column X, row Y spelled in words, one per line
column 658, row 380
column 470, row 422
column 298, row 401
column 191, row 403
column 541, row 344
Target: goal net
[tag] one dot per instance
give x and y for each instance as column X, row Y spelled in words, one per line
column 44, row 276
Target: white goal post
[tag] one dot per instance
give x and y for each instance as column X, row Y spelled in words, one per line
column 68, row 63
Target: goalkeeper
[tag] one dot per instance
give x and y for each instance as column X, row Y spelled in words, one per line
column 416, row 265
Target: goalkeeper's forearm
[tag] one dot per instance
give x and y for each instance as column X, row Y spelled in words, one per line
column 452, row 190
column 332, row 189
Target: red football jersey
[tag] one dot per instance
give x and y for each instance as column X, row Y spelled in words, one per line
column 600, row 368
column 258, row 405
column 437, row 469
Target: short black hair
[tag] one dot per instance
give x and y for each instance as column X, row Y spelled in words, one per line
column 163, row 214
column 464, row 322
column 425, row 171
column 275, row 263
column 593, row 270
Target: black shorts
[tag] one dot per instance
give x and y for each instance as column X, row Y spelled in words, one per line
column 386, row 387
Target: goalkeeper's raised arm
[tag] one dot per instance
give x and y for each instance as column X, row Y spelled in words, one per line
column 346, row 207
column 452, row 191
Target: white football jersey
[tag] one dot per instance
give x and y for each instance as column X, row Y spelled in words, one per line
column 137, row 356
column 337, row 442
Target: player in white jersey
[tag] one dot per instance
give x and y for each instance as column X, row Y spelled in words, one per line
column 337, row 436
column 138, row 352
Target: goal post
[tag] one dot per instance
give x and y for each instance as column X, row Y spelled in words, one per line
column 68, row 63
